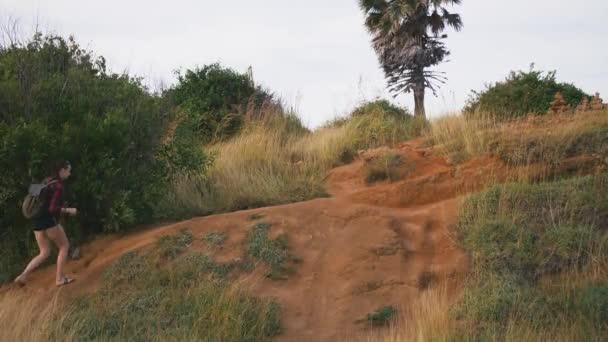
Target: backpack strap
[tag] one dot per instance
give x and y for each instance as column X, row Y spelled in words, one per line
column 36, row 189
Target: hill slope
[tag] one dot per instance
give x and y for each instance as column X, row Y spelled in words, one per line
column 368, row 246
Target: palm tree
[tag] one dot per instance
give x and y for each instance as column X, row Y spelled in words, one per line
column 407, row 37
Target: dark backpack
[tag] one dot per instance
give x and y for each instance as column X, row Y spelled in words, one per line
column 33, row 202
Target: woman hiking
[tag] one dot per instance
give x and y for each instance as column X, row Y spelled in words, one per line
column 47, row 227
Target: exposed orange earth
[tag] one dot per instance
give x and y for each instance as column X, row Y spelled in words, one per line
column 365, row 247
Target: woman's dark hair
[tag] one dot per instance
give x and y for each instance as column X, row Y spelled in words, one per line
column 61, row 165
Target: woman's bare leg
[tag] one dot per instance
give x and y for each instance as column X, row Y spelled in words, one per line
column 57, row 234
column 43, row 247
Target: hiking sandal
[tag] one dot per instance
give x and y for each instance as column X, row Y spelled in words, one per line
column 65, row 281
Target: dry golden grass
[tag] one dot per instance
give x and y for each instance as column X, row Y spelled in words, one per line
column 425, row 319
column 27, row 317
column 461, row 137
column 275, row 161
column 524, row 141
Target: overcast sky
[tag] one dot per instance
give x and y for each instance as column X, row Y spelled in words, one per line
column 316, row 53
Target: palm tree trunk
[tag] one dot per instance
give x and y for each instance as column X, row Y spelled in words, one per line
column 419, row 100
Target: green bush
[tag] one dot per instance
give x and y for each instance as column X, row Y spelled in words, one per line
column 216, row 97
column 60, row 103
column 522, row 93
column 380, row 123
column 381, row 107
column 592, row 301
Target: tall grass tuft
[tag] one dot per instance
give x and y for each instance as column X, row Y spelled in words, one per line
column 426, row 318
column 548, row 140
column 275, row 160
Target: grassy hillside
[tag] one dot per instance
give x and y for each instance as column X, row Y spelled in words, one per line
column 538, row 247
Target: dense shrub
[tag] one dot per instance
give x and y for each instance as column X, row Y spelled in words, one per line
column 59, row 102
column 381, row 106
column 522, row 93
column 379, row 123
column 217, row 97
column 381, row 118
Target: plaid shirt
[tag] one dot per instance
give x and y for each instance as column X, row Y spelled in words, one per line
column 54, row 197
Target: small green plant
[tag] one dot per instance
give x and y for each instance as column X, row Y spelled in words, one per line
column 256, row 216
column 592, row 302
column 170, row 246
column 275, row 253
column 382, row 316
column 346, row 156
column 387, row 166
column 127, row 268
column 216, row 239
column 197, row 264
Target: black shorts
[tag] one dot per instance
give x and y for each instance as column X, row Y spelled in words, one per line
column 44, row 222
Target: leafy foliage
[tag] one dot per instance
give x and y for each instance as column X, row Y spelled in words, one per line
column 216, row 97
column 522, row 93
column 379, row 123
column 381, row 106
column 60, row 103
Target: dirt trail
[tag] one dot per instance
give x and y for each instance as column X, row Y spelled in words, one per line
column 364, row 248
